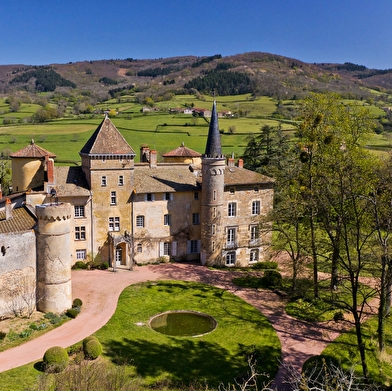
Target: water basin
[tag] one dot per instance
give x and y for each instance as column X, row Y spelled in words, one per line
column 183, row 323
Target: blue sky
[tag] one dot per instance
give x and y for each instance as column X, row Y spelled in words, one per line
column 44, row 32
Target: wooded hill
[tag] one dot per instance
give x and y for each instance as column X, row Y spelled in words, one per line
column 259, row 73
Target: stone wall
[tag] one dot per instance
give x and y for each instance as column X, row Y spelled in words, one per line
column 17, row 273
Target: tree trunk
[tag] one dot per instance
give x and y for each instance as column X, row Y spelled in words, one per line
column 361, row 345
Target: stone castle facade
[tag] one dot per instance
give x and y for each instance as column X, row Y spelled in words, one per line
column 190, row 207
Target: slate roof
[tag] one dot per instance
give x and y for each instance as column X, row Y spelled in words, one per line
column 22, row 220
column 33, row 151
column 213, row 147
column 164, row 179
column 242, row 176
column 176, row 178
column 182, row 151
column 70, row 181
column 107, row 140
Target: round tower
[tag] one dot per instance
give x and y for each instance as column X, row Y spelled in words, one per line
column 30, row 167
column 213, row 170
column 54, row 292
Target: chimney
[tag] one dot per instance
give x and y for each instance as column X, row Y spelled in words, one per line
column 153, row 158
column 240, row 163
column 230, row 162
column 8, row 209
column 49, row 170
column 144, row 154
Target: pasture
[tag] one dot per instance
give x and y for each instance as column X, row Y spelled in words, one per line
column 158, row 128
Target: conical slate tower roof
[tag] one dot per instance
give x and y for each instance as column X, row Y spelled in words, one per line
column 213, row 147
column 182, row 151
column 107, row 140
column 33, row 151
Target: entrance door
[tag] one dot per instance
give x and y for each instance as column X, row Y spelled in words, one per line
column 118, row 256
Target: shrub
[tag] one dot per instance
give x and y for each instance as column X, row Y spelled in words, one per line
column 55, row 359
column 26, row 333
column 77, row 303
column 104, row 266
column 265, row 265
column 338, row 316
column 90, row 338
column 72, row 312
column 92, row 349
column 2, row 335
column 80, row 265
column 271, row 278
column 56, row 319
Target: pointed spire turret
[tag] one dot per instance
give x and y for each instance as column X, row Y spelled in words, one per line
column 213, row 147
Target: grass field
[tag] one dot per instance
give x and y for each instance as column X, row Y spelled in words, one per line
column 159, row 129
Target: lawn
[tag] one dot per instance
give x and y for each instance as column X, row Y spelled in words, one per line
column 345, row 350
column 217, row 357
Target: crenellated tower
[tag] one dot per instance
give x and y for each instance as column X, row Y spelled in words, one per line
column 213, row 170
column 54, row 293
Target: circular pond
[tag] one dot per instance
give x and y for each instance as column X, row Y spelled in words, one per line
column 183, row 323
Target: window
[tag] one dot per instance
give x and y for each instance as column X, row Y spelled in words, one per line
column 114, row 224
column 168, row 196
column 214, row 212
column 149, row 197
column 167, row 219
column 230, row 258
column 80, row 254
column 103, row 181
column 196, row 218
column 231, row 191
column 79, row 210
column 196, row 195
column 113, row 198
column 139, row 248
column 139, row 221
column 254, row 232
column 231, row 209
column 193, row 246
column 80, row 233
column 230, row 237
column 255, row 207
column 254, row 256
column 167, row 248
column 214, row 195
column 256, row 189
column 121, row 180
column 213, row 229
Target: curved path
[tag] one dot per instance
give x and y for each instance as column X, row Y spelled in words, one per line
column 99, row 291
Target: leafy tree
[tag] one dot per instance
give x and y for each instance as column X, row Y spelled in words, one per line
column 264, row 151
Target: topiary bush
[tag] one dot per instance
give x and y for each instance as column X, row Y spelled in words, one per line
column 73, row 312
column 271, row 279
column 90, row 338
column 77, row 303
column 92, row 349
column 55, row 359
column 265, row 265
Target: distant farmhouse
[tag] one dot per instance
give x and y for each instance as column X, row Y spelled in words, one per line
column 190, row 207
